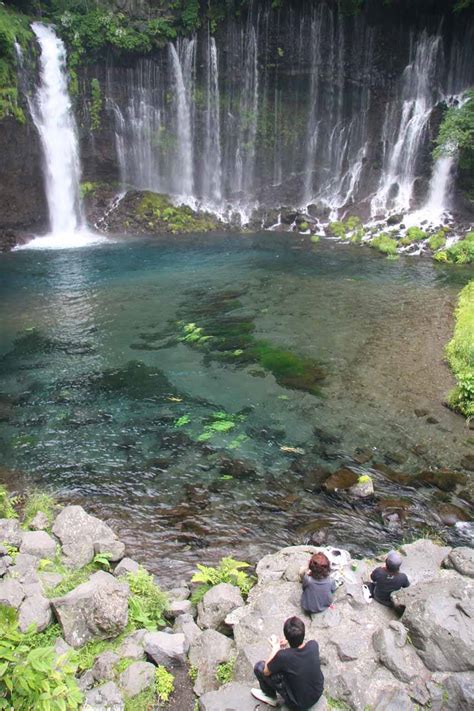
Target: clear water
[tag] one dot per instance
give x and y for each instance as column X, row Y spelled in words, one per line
column 79, row 416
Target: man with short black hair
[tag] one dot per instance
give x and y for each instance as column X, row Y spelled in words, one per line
column 388, row 579
column 294, row 672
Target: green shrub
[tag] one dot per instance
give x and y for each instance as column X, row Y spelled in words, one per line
column 437, row 241
column 225, row 671
column 337, row 229
column 147, row 602
column 38, row 501
column 32, row 677
column 164, row 684
column 7, row 504
column 385, row 244
column 228, row 571
column 461, row 252
column 95, row 105
column 460, row 354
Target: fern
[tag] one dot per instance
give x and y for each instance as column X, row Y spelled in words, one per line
column 228, row 571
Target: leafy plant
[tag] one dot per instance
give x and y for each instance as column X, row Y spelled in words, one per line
column 164, row 683
column 193, row 672
column 7, row 504
column 36, row 502
column 228, row 571
column 95, row 105
column 33, row 677
column 437, row 240
column 147, row 602
column 460, row 354
column 225, row 671
column 183, row 420
column 384, row 243
column 460, row 253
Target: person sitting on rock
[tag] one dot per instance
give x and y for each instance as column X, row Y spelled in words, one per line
column 318, row 588
column 293, row 671
column 388, row 579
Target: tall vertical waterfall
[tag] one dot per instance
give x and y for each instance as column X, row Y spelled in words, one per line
column 294, row 107
column 52, row 114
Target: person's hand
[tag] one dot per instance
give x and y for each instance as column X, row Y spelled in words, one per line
column 274, row 641
column 283, row 643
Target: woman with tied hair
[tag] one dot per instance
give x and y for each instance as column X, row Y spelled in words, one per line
column 318, row 588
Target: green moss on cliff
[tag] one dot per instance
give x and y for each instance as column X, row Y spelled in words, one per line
column 14, row 27
column 161, row 215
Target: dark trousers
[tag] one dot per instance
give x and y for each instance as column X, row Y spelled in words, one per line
column 273, row 684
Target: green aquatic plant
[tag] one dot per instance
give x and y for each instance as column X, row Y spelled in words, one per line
column 182, row 421
column 460, row 354
column 384, row 243
column 228, row 571
column 288, row 369
column 219, row 422
column 437, row 240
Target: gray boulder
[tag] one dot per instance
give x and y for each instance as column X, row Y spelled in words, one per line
column 103, row 668
column 462, row 560
column 164, row 648
column 49, row 581
column 10, row 532
column 35, row 610
column 216, row 604
column 40, row 522
column 394, row 699
column 440, row 621
column 459, row 689
column 11, row 593
column 422, row 560
column 208, row 651
column 82, row 536
column 61, row 647
column 126, row 565
column 400, row 658
column 104, row 698
column 179, row 607
column 24, row 569
column 132, row 646
column 97, row 609
column 185, row 624
column 136, row 678
column 5, row 562
column 232, row 697
column 38, row 543
column 180, row 593
column 86, row 681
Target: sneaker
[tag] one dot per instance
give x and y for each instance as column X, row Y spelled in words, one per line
column 260, row 696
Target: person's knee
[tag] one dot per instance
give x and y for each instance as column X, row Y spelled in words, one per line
column 258, row 668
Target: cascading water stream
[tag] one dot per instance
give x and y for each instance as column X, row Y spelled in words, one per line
column 53, row 117
column 182, row 70
column 419, row 96
column 212, row 180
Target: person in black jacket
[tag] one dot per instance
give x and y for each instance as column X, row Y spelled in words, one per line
column 293, row 670
column 388, row 579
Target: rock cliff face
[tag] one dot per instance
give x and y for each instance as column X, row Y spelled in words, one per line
column 297, row 105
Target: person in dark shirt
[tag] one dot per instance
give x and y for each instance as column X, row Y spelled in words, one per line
column 388, row 579
column 293, row 670
column 318, row 588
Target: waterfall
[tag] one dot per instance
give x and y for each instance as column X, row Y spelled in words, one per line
column 313, row 118
column 212, row 168
column 183, row 70
column 52, row 113
column 418, row 98
column 243, row 178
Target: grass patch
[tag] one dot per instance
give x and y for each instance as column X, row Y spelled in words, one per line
column 36, row 502
column 159, row 213
column 437, row 241
column 7, row 504
column 225, row 671
column 460, row 353
column 164, row 684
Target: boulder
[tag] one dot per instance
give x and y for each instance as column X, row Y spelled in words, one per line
column 35, row 610
column 104, row 698
column 208, row 651
column 136, row 678
column 459, row 689
column 11, row 593
column 97, row 609
column 103, row 668
column 186, row 625
column 132, row 646
column 38, row 543
column 24, row 569
column 83, row 535
column 10, row 532
column 440, row 621
column 40, row 522
column 232, row 697
column 5, row 562
column 423, row 560
column 392, row 649
column 126, row 565
column 179, row 607
column 462, row 560
column 49, row 581
column 216, row 604
column 86, row 681
column 363, row 488
column 393, row 699
column 165, row 648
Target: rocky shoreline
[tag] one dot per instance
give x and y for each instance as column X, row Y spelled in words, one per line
column 417, row 656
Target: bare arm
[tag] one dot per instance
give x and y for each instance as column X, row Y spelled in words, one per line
column 276, row 644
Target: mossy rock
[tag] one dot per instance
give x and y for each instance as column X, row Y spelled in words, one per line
column 341, row 480
column 443, row 479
